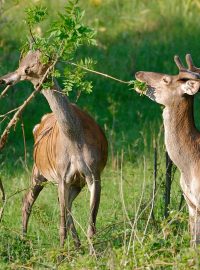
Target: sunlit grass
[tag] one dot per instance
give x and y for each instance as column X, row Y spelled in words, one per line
column 126, row 237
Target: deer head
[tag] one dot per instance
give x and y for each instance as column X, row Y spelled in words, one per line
column 30, row 68
column 167, row 89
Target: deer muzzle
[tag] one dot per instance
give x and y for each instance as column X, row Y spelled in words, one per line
column 150, row 93
column 144, row 76
column 10, row 78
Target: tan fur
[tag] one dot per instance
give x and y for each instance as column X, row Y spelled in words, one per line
column 48, row 141
column 182, row 139
column 70, row 149
column 44, row 116
column 35, row 128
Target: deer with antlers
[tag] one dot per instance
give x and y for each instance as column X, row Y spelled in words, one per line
column 182, row 139
column 70, row 149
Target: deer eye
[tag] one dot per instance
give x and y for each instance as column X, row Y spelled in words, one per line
column 183, row 80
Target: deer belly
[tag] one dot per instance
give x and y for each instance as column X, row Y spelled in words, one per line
column 45, row 159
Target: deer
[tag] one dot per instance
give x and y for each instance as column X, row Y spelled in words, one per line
column 70, row 149
column 182, row 139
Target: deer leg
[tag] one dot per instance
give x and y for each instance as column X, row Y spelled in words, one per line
column 74, row 191
column 30, row 197
column 194, row 221
column 94, row 185
column 63, row 192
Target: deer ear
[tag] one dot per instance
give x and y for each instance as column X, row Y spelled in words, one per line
column 191, row 87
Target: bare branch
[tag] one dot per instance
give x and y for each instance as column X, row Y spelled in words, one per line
column 4, row 115
column 24, row 140
column 96, row 72
column 31, row 33
column 3, row 119
column 5, row 91
column 9, row 197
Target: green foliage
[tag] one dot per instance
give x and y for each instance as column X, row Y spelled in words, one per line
column 35, row 15
column 75, row 77
column 135, row 84
column 13, row 248
column 60, row 43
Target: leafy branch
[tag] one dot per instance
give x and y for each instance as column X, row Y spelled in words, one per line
column 140, row 87
column 70, row 30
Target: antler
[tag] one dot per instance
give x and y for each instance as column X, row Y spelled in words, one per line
column 179, row 63
column 190, row 64
column 189, row 72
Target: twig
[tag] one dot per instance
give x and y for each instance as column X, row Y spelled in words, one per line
column 5, row 91
column 31, row 33
column 3, row 119
column 96, row 72
column 15, row 118
column 141, row 92
column 3, row 115
column 24, row 140
column 9, row 197
column 17, row 192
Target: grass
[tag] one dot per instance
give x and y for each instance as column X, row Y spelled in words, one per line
column 114, row 241
column 122, row 220
column 132, row 35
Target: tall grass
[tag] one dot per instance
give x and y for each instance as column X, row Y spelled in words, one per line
column 132, row 35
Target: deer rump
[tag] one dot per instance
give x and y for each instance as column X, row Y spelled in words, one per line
column 49, row 146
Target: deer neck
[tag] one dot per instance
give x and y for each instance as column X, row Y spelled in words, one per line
column 181, row 135
column 62, row 109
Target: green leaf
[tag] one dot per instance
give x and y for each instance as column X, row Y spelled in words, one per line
column 35, row 15
column 142, row 86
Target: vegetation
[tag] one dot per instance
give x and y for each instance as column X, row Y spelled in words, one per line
column 131, row 36
column 60, row 42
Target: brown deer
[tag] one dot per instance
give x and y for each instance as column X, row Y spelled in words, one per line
column 182, row 139
column 70, row 149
